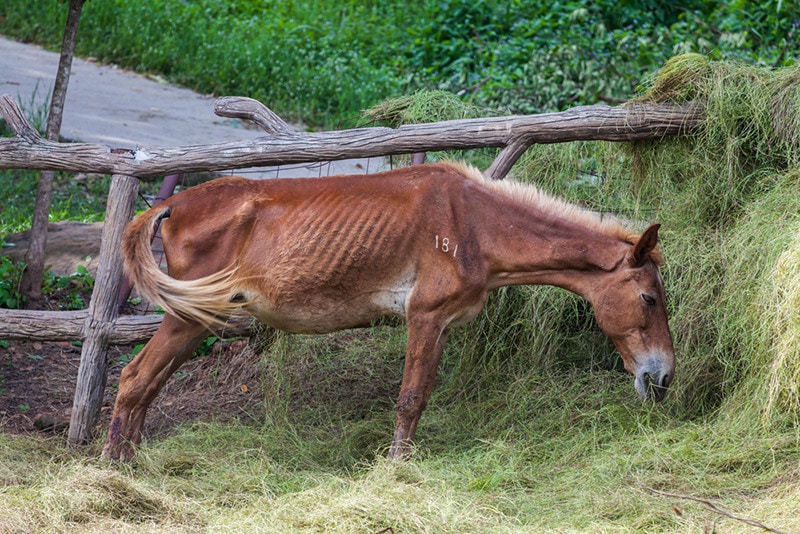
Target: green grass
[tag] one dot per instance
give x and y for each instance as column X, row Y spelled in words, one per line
column 75, row 197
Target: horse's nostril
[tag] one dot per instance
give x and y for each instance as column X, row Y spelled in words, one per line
column 665, row 380
column 656, row 387
column 648, row 380
column 653, row 380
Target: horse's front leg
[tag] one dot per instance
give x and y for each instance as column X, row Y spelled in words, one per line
column 142, row 379
column 426, row 340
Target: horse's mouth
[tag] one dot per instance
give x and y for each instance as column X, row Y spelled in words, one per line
column 653, row 385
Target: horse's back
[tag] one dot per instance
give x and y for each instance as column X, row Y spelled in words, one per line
column 313, row 254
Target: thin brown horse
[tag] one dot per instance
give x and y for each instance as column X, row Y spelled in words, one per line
column 426, row 243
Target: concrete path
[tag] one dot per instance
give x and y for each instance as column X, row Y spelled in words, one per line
column 121, row 109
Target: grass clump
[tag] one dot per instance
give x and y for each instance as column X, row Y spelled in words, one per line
column 677, row 80
column 737, row 218
column 760, row 312
column 783, row 303
column 422, row 106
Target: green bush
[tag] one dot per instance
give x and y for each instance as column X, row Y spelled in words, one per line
column 66, row 292
column 10, row 276
column 324, row 62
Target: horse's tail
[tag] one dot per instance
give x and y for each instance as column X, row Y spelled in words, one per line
column 206, row 300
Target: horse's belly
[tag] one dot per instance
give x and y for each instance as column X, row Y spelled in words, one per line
column 317, row 313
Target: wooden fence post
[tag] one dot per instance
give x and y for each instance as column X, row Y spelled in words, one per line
column 103, row 310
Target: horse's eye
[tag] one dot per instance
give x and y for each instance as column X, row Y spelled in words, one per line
column 649, row 299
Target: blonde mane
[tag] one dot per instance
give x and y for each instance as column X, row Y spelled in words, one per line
column 530, row 194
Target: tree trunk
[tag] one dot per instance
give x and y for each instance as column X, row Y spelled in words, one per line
column 31, row 285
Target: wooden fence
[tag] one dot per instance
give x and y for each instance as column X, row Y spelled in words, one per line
column 101, row 326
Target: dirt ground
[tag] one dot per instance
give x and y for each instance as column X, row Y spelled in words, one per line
column 37, row 385
column 37, row 379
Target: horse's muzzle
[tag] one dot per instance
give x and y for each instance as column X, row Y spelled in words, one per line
column 653, row 379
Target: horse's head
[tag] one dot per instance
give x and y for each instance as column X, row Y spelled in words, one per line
column 630, row 307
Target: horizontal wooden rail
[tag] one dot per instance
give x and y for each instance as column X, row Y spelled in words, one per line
column 32, row 325
column 283, row 146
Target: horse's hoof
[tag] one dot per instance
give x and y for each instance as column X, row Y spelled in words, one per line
column 117, row 453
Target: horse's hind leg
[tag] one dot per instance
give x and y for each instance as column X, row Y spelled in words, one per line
column 142, row 379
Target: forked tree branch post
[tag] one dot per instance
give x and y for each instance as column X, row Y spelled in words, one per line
column 103, row 310
column 282, row 145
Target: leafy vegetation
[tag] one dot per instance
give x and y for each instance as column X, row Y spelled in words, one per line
column 80, row 198
column 75, row 198
column 66, row 292
column 322, row 62
column 10, row 276
column 533, row 425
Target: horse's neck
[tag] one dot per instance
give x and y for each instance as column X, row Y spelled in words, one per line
column 525, row 245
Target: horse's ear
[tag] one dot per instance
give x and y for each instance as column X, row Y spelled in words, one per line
column 647, row 242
